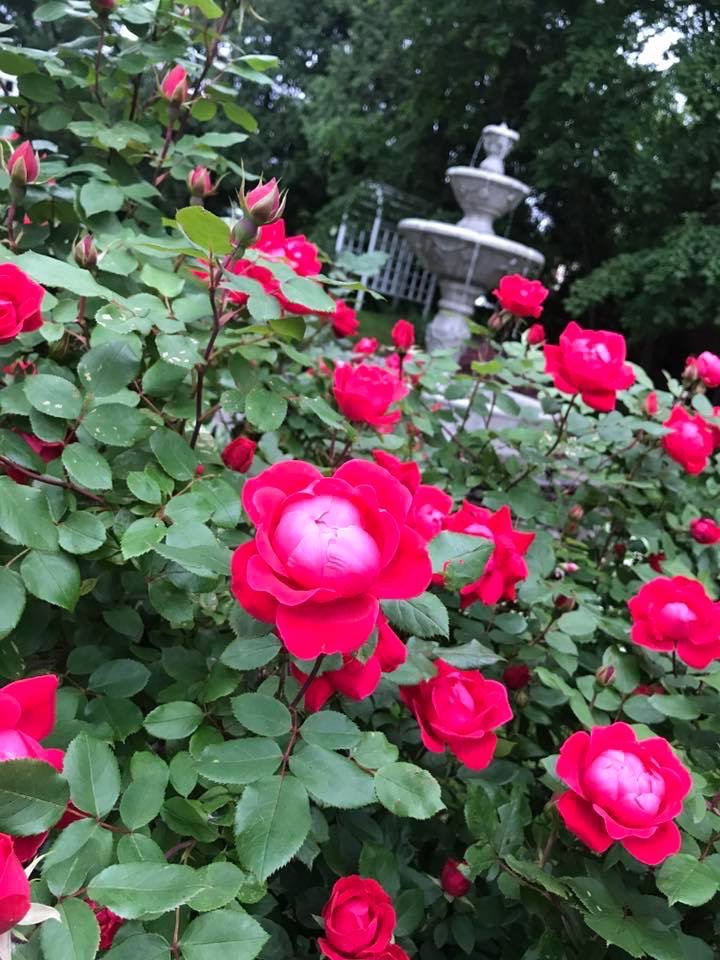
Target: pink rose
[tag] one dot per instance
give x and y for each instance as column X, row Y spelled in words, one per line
column 174, row 87
column 199, row 182
column 23, row 165
column 365, row 392
column 20, row 300
column 708, row 368
column 403, row 335
column 704, row 530
column 650, row 404
column 430, row 506
column 536, row 334
column 690, row 442
column 459, row 709
column 591, row 363
column 623, row 789
column 366, row 345
column 344, row 320
column 265, row 204
column 522, row 297
column 359, row 921
column 326, row 551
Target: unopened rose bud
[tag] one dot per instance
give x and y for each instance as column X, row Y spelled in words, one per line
column 620, row 550
column 453, row 881
column 651, row 404
column 243, row 233
column 497, row 321
column 103, row 7
column 199, row 470
column 264, row 204
column 690, row 373
column 522, row 698
column 570, row 567
column 200, row 182
column 571, row 527
column 85, row 252
column 516, row 676
column 536, row 334
column 23, row 165
column 174, row 87
column 605, row 674
column 565, row 604
column 576, row 512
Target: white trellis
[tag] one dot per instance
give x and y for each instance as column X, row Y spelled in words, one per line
column 369, row 225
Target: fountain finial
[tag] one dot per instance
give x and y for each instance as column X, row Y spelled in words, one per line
column 497, row 140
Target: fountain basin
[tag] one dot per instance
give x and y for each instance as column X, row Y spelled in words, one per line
column 485, row 196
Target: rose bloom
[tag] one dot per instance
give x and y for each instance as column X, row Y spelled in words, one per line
column 354, row 678
column 366, row 345
column 14, row 886
column 591, row 363
column 708, row 368
column 359, row 920
column 297, row 250
column 506, row 566
column 623, row 789
column 174, row 86
column 326, row 551
column 238, row 455
column 364, row 394
column 521, row 297
column 344, row 320
column 459, row 709
column 453, row 881
column 403, row 335
column 655, row 561
column 704, row 530
column 690, row 441
column 536, row 334
column 430, row 505
column 650, row 404
column 20, row 300
column 676, row 614
column 108, row 922
column 516, row 676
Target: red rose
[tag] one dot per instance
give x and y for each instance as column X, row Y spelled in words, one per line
column 516, row 676
column 506, row 566
column 430, row 505
column 108, row 922
column 651, row 404
column 366, row 345
column 238, row 455
column 591, row 363
column 14, row 886
column 344, row 320
column 675, row 613
column 708, row 368
column 715, row 429
column 23, row 166
column 690, row 441
column 520, row 296
column 452, row 880
column 200, row 182
column 297, row 251
column 359, row 920
column 326, row 551
column 623, row 789
column 704, row 530
column 655, row 561
column 536, row 334
column 174, row 86
column 45, row 450
column 20, row 300
column 403, row 335
column 354, row 678
column 365, row 392
column 264, row 205
column 648, row 690
column 459, row 709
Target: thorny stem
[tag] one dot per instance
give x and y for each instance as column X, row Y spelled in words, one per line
column 213, row 48
column 471, row 401
column 203, row 368
column 309, row 679
column 547, row 850
column 292, row 707
column 98, row 59
column 135, row 95
column 12, row 209
column 558, row 439
column 51, row 481
column 164, row 151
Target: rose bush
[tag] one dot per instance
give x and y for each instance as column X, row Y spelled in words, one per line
column 312, row 642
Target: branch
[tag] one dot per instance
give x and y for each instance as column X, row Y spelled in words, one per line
column 51, row 481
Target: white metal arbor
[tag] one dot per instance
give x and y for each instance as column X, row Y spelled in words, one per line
column 369, row 225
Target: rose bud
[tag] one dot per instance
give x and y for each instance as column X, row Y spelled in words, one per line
column 497, row 321
column 23, row 166
column 199, row 182
column 605, row 674
column 174, row 87
column 704, row 530
column 104, row 7
column 576, row 512
column 655, row 561
column 366, row 345
column 516, row 676
column 536, row 334
column 708, row 368
column 570, row 567
column 453, row 881
column 85, row 252
column 651, row 404
column 264, row 204
column 690, row 373
column 199, row 470
column 620, row 550
column 238, row 455
column 403, row 335
column 564, row 603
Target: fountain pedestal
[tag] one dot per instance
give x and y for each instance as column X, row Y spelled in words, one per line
column 468, row 257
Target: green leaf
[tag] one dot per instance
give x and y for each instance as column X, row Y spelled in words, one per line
column 188, row 818
column 87, row 467
column 76, row 938
column 173, row 454
column 250, row 653
column 685, row 879
column 178, row 351
column 470, row 656
column 173, row 721
column 425, row 616
column 81, row 847
column 408, row 791
column 205, row 230
column 223, row 933
column 144, row 797
column 461, row 557
column 107, row 368
column 240, row 761
column 53, row 577
column 81, row 533
column 536, row 875
column 142, row 535
column 260, row 714
column 98, row 197
column 331, row 730
column 578, row 623
column 137, row 889
column 140, row 946
column 307, row 293
column 12, row 592
column 119, row 678
column 265, row 410
column 33, row 797
column 167, row 283
column 93, row 775
column 117, row 425
column 240, row 116
column 223, row 881
column 676, row 706
column 56, row 273
column 54, row 396
column 271, row 822
column 374, row 750
column 25, row 517
column 410, row 912
column 332, row 778
column 144, row 487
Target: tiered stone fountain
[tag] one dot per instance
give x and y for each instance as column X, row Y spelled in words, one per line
column 468, row 257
